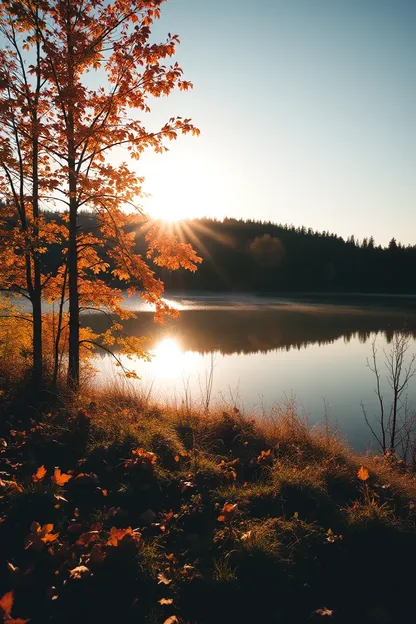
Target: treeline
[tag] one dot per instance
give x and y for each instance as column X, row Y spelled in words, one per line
column 267, row 258
column 263, row 257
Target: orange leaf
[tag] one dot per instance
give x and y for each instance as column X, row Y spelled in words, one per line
column 116, row 535
column 40, row 535
column 363, row 474
column 60, row 478
column 227, row 512
column 39, row 474
column 6, row 603
column 264, row 457
column 166, row 601
column 171, row 620
column 86, row 538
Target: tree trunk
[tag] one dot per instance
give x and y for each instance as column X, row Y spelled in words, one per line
column 37, row 342
column 59, row 333
column 73, row 363
column 37, row 283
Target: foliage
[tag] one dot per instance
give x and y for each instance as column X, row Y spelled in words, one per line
column 59, row 133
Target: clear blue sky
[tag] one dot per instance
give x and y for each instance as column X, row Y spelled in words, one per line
column 307, row 111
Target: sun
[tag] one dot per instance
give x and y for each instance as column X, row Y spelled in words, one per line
column 170, row 214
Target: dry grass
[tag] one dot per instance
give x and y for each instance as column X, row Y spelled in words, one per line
column 246, row 520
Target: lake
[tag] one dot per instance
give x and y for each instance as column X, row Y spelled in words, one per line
column 255, row 352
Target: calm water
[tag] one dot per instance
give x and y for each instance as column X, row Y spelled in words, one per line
column 262, row 350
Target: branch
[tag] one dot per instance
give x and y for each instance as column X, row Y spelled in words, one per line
column 104, row 348
column 17, row 316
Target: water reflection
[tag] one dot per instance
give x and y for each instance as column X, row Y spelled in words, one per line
column 264, row 352
column 261, row 329
column 168, row 358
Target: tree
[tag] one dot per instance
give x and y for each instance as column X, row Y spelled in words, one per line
column 397, row 426
column 267, row 250
column 21, row 109
column 79, row 132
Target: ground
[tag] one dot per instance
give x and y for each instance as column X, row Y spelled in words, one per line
column 112, row 510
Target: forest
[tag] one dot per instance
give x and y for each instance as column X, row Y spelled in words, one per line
column 263, row 257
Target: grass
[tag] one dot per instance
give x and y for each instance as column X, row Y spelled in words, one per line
column 161, row 512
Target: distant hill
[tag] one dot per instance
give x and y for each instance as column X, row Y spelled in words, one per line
column 265, row 257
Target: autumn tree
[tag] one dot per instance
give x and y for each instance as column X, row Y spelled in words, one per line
column 267, row 250
column 86, row 120
column 22, row 105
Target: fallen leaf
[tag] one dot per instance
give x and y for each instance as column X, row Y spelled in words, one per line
column 86, row 538
column 264, row 457
column 6, row 602
column 39, row 474
column 146, row 458
column 10, row 485
column 162, row 579
column 171, row 620
column 60, row 478
column 39, row 536
column 117, row 535
column 227, row 512
column 79, row 572
column 324, row 611
column 166, row 601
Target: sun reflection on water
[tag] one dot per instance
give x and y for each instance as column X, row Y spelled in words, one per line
column 169, row 360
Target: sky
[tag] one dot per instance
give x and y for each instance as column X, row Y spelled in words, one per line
column 307, row 112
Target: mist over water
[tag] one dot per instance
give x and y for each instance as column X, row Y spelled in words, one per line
column 256, row 352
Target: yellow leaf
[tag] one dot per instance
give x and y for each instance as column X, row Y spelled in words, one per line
column 363, row 474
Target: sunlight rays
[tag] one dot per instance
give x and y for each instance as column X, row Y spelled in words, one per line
column 189, row 231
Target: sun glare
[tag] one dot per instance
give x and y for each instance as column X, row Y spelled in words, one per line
column 168, row 357
column 169, row 360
